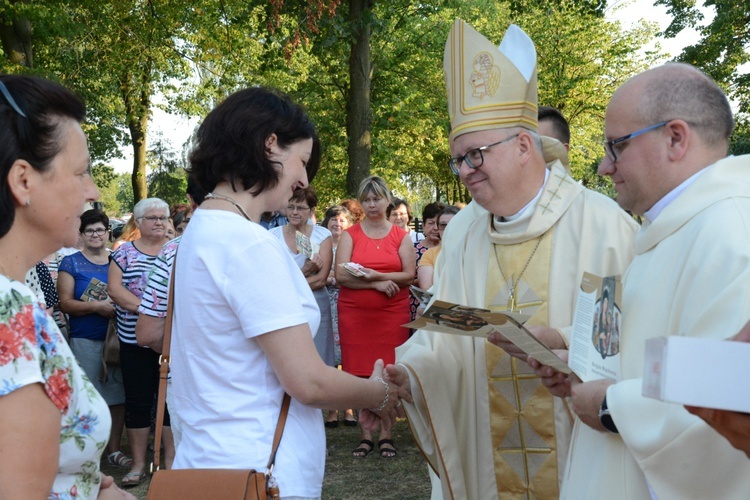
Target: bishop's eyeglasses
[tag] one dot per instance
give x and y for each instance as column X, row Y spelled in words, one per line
column 474, row 158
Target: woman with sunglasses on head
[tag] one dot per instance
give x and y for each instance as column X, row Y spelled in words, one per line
column 127, row 278
column 54, row 424
column 82, row 286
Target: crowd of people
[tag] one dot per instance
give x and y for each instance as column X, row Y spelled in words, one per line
column 268, row 304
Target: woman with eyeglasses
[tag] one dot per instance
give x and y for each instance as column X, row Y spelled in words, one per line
column 82, row 286
column 53, row 423
column 316, row 268
column 426, row 266
column 127, row 278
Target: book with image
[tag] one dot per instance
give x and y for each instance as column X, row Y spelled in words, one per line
column 95, row 290
column 445, row 317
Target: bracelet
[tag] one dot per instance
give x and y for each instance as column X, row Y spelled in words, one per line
column 387, row 396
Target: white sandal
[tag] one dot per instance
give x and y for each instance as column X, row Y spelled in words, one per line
column 119, row 459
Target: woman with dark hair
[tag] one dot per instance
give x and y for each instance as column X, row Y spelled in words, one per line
column 181, row 219
column 431, row 239
column 373, row 307
column 316, row 268
column 399, row 214
column 244, row 313
column 426, row 267
column 337, row 219
column 54, row 424
column 126, row 281
column 82, row 285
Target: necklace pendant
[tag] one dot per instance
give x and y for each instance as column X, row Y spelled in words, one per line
column 512, row 294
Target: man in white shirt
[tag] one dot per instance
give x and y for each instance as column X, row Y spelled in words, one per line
column 667, row 137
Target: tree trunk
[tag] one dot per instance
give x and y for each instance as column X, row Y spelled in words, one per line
column 138, row 129
column 358, row 115
column 16, row 40
column 137, row 109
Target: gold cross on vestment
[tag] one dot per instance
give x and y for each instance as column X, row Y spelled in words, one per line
column 515, row 302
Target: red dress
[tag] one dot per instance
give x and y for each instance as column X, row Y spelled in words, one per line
column 370, row 322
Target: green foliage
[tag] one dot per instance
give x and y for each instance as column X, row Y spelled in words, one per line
column 167, row 178
column 119, row 55
column 723, row 47
column 107, row 182
column 125, row 193
column 582, row 59
column 740, row 141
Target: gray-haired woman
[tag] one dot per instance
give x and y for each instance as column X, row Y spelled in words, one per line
column 128, row 275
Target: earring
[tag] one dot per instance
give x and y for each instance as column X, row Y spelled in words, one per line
column 28, row 202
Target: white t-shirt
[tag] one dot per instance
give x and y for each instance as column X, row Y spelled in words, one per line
column 234, row 282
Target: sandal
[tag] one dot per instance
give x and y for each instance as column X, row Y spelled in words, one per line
column 387, row 452
column 350, row 423
column 133, row 479
column 361, row 451
column 332, row 424
column 119, row 459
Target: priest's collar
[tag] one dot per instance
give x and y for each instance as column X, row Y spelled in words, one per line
column 524, row 214
column 652, row 213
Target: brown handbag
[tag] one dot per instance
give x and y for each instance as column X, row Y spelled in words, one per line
column 110, row 350
column 200, row 484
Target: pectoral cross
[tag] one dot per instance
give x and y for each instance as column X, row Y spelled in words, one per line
column 515, row 300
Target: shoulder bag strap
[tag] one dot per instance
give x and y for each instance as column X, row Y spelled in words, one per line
column 164, row 370
column 164, row 361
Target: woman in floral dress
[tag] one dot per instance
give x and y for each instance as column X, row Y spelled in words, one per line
column 55, row 424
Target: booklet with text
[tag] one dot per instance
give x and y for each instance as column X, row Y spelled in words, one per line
column 595, row 341
column 457, row 319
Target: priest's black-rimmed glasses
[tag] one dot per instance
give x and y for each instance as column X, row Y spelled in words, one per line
column 609, row 146
column 474, row 158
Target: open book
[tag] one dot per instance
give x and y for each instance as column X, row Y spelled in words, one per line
column 457, row 319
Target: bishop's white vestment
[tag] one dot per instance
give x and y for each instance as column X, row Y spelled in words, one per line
column 485, row 423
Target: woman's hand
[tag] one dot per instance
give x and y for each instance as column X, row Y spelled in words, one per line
column 387, row 287
column 312, row 265
column 109, row 490
column 371, row 275
column 392, row 407
column 106, row 308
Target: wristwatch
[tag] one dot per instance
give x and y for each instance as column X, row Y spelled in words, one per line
column 605, row 417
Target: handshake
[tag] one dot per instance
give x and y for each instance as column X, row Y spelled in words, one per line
column 396, row 380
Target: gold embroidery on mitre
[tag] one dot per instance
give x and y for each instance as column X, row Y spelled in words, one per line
column 485, row 79
column 485, row 87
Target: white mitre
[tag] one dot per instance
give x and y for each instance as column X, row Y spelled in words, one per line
column 490, row 87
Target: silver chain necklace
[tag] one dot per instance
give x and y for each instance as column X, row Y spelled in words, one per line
column 212, row 196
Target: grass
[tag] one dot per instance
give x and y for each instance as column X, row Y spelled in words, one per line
column 404, row 476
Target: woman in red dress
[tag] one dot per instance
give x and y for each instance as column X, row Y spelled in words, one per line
column 372, row 307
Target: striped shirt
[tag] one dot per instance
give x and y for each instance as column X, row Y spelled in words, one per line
column 135, row 266
column 154, row 300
